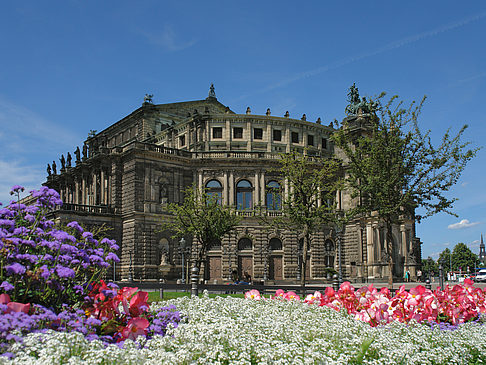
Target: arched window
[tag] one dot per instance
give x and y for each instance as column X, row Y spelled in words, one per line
column 244, row 244
column 275, row 244
column 274, row 201
column 244, row 192
column 215, row 189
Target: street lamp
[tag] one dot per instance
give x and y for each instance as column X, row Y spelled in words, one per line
column 339, row 232
column 183, row 248
column 228, row 250
column 130, row 271
column 441, row 274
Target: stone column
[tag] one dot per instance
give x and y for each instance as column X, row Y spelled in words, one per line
column 249, row 136
column 404, row 250
column 200, row 180
column 228, row 134
column 257, row 190
column 225, row 188
column 231, row 190
column 269, row 137
column 83, row 190
column 95, row 187
column 102, row 186
column 262, row 188
column 287, row 138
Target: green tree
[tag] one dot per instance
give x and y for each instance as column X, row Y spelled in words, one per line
column 201, row 216
column 446, row 259
column 463, row 258
column 393, row 168
column 309, row 204
column 429, row 266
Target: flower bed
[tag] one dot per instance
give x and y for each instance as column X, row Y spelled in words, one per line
column 453, row 305
column 239, row 331
column 55, row 309
column 50, row 281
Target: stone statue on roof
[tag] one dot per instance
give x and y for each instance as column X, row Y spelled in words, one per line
column 354, row 100
column 147, row 99
column 69, row 159
column 49, row 172
column 54, row 168
column 212, row 94
column 77, row 153
column 63, row 162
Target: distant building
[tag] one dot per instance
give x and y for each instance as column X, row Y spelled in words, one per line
column 125, row 175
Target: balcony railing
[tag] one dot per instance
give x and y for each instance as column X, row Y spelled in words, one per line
column 96, row 209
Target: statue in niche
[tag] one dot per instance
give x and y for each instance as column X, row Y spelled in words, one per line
column 63, row 162
column 77, row 153
column 164, row 195
column 164, row 254
column 49, row 172
column 54, row 168
column 69, row 159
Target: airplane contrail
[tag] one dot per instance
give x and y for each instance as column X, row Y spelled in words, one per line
column 388, row 47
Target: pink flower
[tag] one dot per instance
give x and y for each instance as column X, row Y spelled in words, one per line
column 278, row 294
column 253, row 294
column 291, row 296
column 18, row 307
column 135, row 327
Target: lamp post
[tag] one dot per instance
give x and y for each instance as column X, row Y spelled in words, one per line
column 298, row 252
column 228, row 250
column 130, row 270
column 183, row 248
column 441, row 274
column 339, row 231
column 264, row 251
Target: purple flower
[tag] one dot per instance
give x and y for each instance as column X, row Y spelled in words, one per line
column 6, row 286
column 16, row 189
column 113, row 257
column 76, row 226
column 45, row 272
column 88, row 235
column 64, row 272
column 15, row 268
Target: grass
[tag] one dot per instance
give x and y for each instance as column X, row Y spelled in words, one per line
column 154, row 295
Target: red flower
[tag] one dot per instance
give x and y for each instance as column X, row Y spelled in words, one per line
column 138, row 303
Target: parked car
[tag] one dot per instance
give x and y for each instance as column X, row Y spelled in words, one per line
column 480, row 276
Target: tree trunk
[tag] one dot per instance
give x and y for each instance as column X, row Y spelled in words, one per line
column 389, row 249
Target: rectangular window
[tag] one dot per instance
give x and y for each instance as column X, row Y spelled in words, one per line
column 277, row 135
column 182, row 140
column 324, row 143
column 237, row 132
column 295, row 137
column 257, row 133
column 218, row 132
column 310, row 140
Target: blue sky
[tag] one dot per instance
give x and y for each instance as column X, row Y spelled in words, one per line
column 71, row 66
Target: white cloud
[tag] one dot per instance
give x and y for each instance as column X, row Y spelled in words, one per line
column 167, row 39
column 28, row 143
column 462, row 224
column 15, row 173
